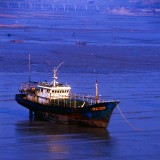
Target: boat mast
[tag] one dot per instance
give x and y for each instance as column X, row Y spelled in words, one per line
column 54, row 74
column 97, row 96
column 29, row 69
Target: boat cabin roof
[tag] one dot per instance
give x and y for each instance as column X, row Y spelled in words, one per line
column 45, row 85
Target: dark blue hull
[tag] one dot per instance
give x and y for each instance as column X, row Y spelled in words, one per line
column 96, row 115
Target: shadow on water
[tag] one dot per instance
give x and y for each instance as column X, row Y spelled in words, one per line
column 58, row 141
column 35, row 127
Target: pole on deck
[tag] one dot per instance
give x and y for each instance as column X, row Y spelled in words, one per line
column 31, row 113
column 97, row 96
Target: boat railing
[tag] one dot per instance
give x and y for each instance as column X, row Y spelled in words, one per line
column 48, row 84
column 82, row 97
column 86, row 98
column 73, row 100
column 45, row 84
column 28, row 86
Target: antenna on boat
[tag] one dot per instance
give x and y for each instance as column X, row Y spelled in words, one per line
column 29, row 69
column 59, row 65
column 54, row 74
column 97, row 96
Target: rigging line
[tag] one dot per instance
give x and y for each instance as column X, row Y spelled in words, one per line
column 59, row 65
column 138, row 129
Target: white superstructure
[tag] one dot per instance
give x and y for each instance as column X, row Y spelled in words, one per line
column 53, row 90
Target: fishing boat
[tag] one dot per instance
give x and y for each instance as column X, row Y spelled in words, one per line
column 55, row 102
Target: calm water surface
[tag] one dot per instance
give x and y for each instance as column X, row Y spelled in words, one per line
column 123, row 53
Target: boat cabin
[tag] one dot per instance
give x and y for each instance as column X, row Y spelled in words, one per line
column 53, row 92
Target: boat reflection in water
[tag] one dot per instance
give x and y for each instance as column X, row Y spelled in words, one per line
column 40, row 128
column 60, row 141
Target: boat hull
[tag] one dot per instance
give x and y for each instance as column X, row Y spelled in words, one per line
column 96, row 115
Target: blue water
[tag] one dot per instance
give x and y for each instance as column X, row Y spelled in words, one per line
column 122, row 53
